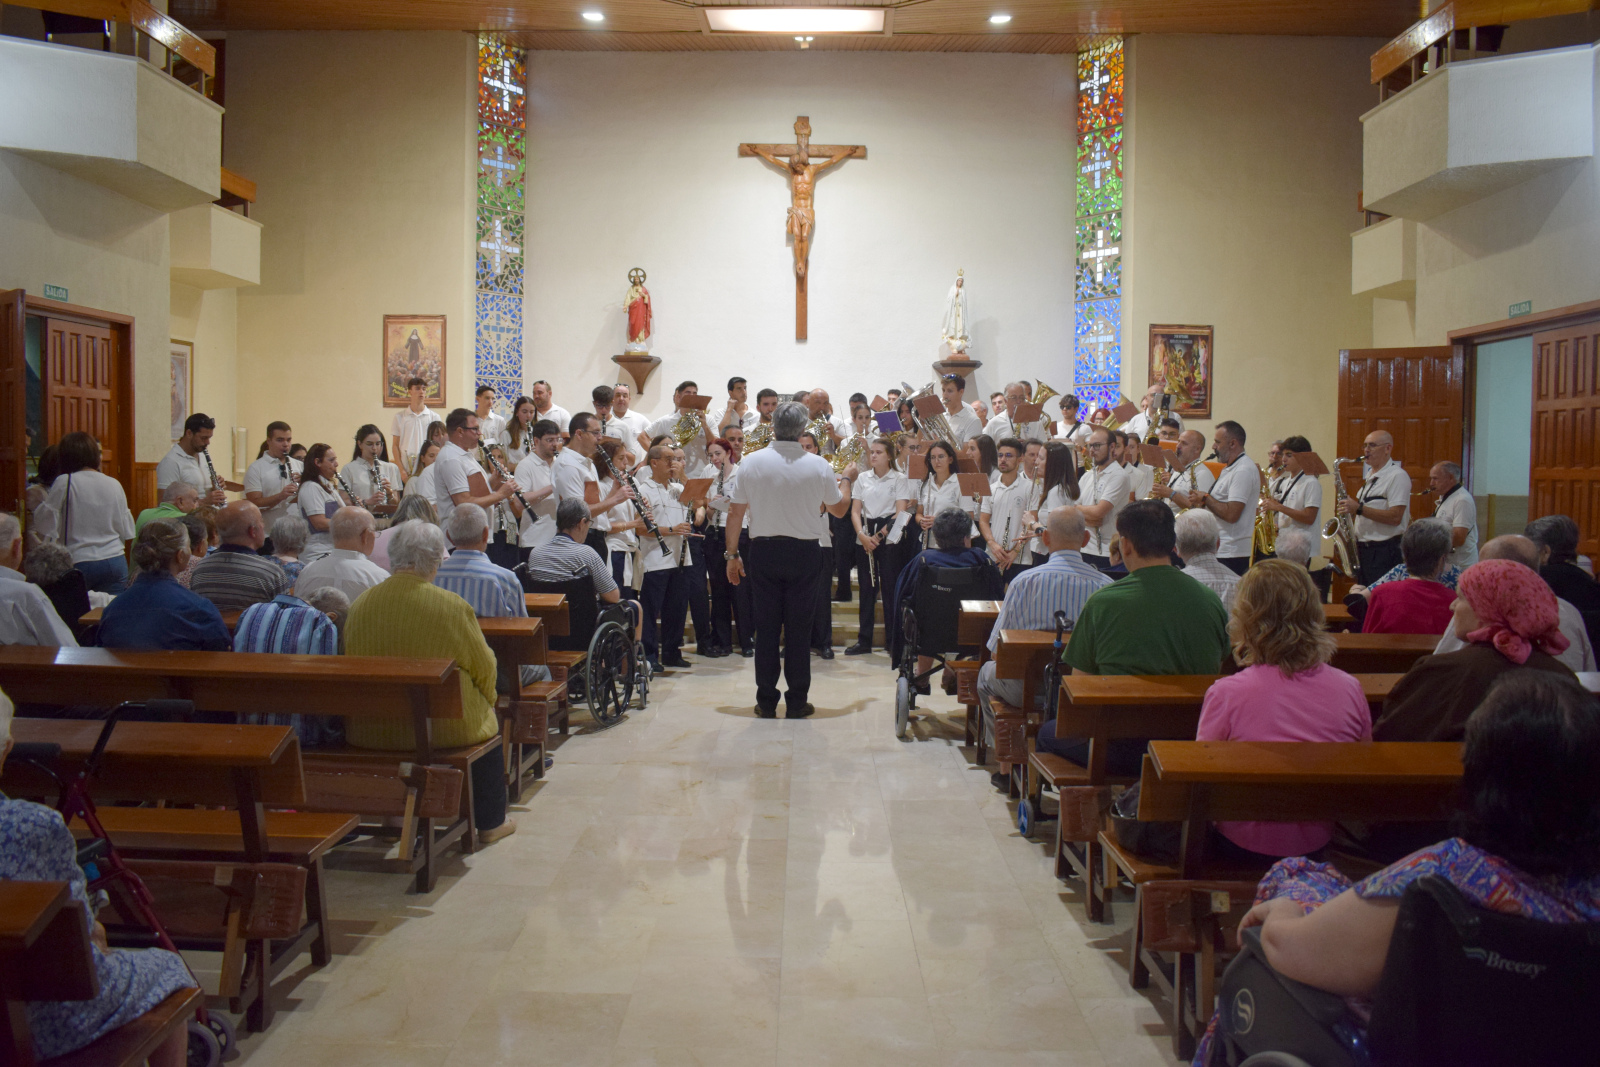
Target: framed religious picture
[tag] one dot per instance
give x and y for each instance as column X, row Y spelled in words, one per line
column 1181, row 357
column 182, row 385
column 413, row 347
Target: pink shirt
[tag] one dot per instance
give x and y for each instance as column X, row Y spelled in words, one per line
column 1260, row 704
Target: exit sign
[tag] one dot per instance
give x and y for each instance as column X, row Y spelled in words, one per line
column 1524, row 308
column 55, row 292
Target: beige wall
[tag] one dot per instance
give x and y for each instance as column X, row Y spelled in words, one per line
column 363, row 149
column 208, row 318
column 110, row 253
column 1242, row 169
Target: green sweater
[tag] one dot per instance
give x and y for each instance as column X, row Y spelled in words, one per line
column 407, row 616
column 1156, row 620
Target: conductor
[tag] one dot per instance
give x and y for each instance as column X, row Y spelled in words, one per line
column 784, row 489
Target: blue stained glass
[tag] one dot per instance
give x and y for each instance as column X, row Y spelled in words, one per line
column 1098, row 356
column 1097, row 315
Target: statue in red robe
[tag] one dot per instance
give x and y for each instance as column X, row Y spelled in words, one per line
column 637, row 303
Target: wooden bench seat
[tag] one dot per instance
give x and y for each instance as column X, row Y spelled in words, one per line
column 1381, row 653
column 562, row 664
column 131, row 1045
column 525, row 729
column 974, row 622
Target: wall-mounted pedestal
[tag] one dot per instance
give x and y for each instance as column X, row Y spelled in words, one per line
column 964, row 367
column 639, row 365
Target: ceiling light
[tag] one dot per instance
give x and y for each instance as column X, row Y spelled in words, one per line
column 794, row 20
column 999, row 20
column 593, row 16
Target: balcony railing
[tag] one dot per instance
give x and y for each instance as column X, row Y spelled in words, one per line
column 131, row 26
column 1460, row 29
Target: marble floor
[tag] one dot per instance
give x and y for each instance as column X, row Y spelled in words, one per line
column 696, row 886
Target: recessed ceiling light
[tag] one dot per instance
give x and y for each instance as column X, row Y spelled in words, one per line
column 792, row 20
column 999, row 20
column 593, row 16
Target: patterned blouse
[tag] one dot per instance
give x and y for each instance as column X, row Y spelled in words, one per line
column 36, row 846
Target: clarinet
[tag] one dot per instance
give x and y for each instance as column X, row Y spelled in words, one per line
column 638, row 499
column 216, row 483
column 379, row 480
column 500, row 469
column 339, row 479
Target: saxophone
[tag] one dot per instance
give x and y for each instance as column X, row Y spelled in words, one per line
column 1264, row 535
column 1341, row 528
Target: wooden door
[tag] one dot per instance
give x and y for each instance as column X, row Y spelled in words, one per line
column 79, row 386
column 1416, row 394
column 1565, row 479
column 13, row 400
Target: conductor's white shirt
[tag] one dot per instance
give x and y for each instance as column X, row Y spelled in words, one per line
column 786, row 487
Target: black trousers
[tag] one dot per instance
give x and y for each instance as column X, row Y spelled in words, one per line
column 1377, row 559
column 597, row 541
column 783, row 576
column 888, row 559
column 822, row 625
column 619, row 567
column 665, row 595
column 730, row 604
column 843, row 532
column 489, row 796
column 1236, row 564
column 699, row 601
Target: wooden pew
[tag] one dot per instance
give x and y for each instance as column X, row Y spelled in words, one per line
column 1337, row 617
column 250, row 771
column 1187, row 910
column 45, row 955
column 974, row 622
column 552, row 608
column 1381, row 653
column 428, row 789
column 1020, row 655
column 525, row 712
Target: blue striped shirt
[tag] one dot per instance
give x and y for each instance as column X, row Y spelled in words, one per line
column 289, row 625
column 1062, row 583
column 493, row 591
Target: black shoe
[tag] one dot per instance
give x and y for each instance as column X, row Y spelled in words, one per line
column 747, row 653
column 841, row 595
column 858, row 649
column 1000, row 781
column 825, row 652
column 799, row 713
column 923, row 689
column 676, row 661
column 655, row 667
column 712, row 651
column 766, row 713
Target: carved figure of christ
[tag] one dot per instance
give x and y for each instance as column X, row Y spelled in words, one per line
column 795, row 160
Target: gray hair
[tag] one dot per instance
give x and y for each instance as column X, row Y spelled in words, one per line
column 289, row 534
column 10, row 529
column 1452, row 469
column 950, row 528
column 569, row 513
column 177, row 491
column 1067, row 526
column 1424, row 546
column 1197, row 533
column 1294, row 546
column 1558, row 533
column 466, row 525
column 417, row 547
column 789, row 420
column 349, row 523
column 47, row 564
column 415, row 506
column 331, row 600
column 160, row 543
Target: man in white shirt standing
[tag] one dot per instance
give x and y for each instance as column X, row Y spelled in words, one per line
column 460, row 480
column 490, row 421
column 1072, row 429
column 1104, row 491
column 694, row 450
column 1004, row 423
column 738, row 412
column 574, row 465
column 964, row 425
column 1187, row 478
column 26, row 615
column 1457, row 508
column 784, row 489
column 536, row 476
column 1149, row 417
column 1000, row 517
column 271, row 482
column 1381, row 508
column 1234, row 497
column 621, row 411
column 545, row 407
column 1296, row 496
column 186, row 461
column 347, row 567
column 410, row 426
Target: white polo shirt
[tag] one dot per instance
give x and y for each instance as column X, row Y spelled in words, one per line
column 568, row 474
column 879, row 495
column 1387, row 487
column 178, row 466
column 662, row 500
column 1000, row 427
column 636, row 424
column 1005, row 506
column 786, row 488
column 358, row 476
column 745, row 422
column 268, row 476
column 1240, row 481
column 490, row 426
column 1459, row 509
column 539, row 522
column 1100, row 484
column 1195, row 478
column 1299, row 491
column 452, row 469
column 1073, row 433
column 411, row 427
column 557, row 414
column 964, row 425
column 1140, row 480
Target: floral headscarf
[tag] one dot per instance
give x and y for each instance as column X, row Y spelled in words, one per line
column 1517, row 610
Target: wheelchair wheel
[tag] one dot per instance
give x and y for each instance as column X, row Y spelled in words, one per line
column 609, row 674
column 641, row 675
column 903, row 696
column 1027, row 817
column 227, row 1037
column 204, row 1048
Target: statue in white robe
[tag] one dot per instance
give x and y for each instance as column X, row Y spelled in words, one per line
column 954, row 330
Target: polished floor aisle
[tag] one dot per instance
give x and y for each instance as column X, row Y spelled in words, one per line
column 700, row 887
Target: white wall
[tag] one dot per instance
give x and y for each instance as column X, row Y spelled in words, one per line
column 633, row 163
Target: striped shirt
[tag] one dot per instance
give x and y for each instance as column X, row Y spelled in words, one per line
column 1061, row 583
column 563, row 559
column 1206, row 569
column 286, row 624
column 493, row 591
column 235, row 577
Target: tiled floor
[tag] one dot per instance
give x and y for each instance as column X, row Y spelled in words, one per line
column 699, row 887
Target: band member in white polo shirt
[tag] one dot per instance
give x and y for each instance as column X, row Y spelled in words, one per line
column 1456, row 508
column 1005, row 424
column 1105, row 493
column 1381, row 508
column 1000, row 517
column 188, row 461
column 410, row 427
column 1296, row 497
column 964, row 423
column 459, row 479
column 1234, row 497
column 490, row 421
column 1188, row 477
column 271, row 482
column 784, row 489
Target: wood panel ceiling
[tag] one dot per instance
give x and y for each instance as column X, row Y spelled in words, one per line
column 919, row 25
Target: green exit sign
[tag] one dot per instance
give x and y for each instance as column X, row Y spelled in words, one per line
column 55, row 292
column 1524, row 308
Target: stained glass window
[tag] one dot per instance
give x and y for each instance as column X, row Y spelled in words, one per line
column 1097, row 364
column 502, row 173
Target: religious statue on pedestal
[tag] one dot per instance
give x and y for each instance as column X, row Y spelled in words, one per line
column 640, row 321
column 954, row 330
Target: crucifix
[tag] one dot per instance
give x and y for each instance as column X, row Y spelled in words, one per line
column 795, row 159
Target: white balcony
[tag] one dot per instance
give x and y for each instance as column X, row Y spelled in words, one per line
column 1383, row 260
column 214, row 248
column 1476, row 127
column 110, row 119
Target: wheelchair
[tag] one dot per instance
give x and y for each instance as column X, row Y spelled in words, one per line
column 613, row 673
column 928, row 628
column 1461, row 985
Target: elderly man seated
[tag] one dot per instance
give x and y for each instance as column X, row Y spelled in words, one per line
column 565, row 556
column 407, row 615
column 1419, row 603
column 236, row 575
column 1556, row 537
column 952, row 547
column 1064, row 582
column 291, row 626
column 493, row 591
column 346, row 567
column 27, row 617
column 177, row 500
column 1199, row 537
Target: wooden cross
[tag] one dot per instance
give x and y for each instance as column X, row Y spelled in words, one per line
column 795, row 160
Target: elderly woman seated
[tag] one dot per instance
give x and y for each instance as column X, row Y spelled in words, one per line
column 156, row 612
column 288, row 536
column 407, row 615
column 36, row 846
column 1420, row 603
column 1528, row 842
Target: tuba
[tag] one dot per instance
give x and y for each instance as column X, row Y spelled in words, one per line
column 1042, row 393
column 758, row 438
column 1341, row 528
column 1264, row 534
